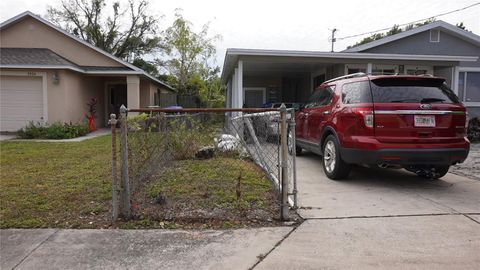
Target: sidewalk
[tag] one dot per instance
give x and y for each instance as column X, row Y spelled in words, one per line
column 99, row 132
column 136, row 249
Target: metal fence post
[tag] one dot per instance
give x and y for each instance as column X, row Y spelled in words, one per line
column 283, row 162
column 125, row 191
column 293, row 153
column 113, row 123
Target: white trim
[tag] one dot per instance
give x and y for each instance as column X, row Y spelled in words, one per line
column 44, row 87
column 471, row 104
column 92, row 72
column 465, row 35
column 369, row 68
column 109, row 72
column 474, row 69
column 240, row 99
column 263, row 89
column 455, row 74
column 346, row 55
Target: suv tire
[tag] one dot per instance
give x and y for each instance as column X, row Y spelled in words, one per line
column 333, row 165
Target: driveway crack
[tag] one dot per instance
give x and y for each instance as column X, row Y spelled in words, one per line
column 33, row 250
column 261, row 257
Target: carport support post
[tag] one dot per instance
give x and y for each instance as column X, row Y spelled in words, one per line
column 125, row 191
column 283, row 162
column 113, row 123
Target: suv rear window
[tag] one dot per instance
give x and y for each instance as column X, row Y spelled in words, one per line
column 356, row 92
column 412, row 90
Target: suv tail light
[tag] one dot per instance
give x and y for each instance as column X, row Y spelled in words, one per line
column 467, row 119
column 367, row 115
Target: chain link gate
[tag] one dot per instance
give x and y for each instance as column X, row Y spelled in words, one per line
column 150, row 140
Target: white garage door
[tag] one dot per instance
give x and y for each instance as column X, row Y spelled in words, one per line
column 21, row 101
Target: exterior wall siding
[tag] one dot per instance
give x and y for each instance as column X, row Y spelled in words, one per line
column 420, row 44
column 30, row 33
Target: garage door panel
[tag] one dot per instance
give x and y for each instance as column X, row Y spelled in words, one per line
column 12, row 112
column 21, row 101
column 21, row 97
column 20, row 82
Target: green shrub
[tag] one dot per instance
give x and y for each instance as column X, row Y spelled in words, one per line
column 54, row 131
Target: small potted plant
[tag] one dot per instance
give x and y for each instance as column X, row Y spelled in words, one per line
column 92, row 113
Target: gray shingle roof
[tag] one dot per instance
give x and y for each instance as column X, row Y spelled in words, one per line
column 32, row 56
column 44, row 57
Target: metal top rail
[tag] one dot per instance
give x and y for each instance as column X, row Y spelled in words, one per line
column 205, row 110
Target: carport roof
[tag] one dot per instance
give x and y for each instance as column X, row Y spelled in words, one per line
column 291, row 56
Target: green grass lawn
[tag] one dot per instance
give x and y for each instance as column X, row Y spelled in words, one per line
column 55, row 184
column 68, row 185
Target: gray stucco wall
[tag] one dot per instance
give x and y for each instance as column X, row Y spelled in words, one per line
column 420, row 44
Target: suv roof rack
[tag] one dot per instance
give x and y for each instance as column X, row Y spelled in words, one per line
column 349, row 76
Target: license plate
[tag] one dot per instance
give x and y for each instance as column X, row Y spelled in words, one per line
column 424, row 120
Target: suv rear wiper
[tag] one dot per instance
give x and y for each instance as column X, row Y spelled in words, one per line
column 404, row 100
column 429, row 100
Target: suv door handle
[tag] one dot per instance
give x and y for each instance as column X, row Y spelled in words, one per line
column 326, row 112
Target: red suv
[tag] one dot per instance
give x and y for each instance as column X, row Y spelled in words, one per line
column 414, row 122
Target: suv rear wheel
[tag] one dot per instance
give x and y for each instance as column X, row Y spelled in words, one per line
column 333, row 165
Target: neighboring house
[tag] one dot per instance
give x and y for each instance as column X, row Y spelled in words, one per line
column 255, row 77
column 48, row 75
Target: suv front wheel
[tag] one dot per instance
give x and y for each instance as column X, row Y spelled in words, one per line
column 333, row 165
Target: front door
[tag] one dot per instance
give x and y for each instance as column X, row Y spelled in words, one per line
column 117, row 96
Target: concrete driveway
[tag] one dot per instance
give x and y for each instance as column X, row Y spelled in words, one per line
column 381, row 219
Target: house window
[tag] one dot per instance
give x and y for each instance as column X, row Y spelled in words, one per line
column 434, row 35
column 469, row 86
column 355, row 68
column 417, row 71
column 384, row 69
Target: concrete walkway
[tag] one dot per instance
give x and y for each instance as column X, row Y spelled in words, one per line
column 377, row 219
column 99, row 132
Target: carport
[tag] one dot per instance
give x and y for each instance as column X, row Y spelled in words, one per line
column 255, row 77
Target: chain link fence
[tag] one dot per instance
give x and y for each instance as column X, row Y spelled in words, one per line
column 211, row 156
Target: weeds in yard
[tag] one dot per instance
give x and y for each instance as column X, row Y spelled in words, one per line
column 50, row 184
